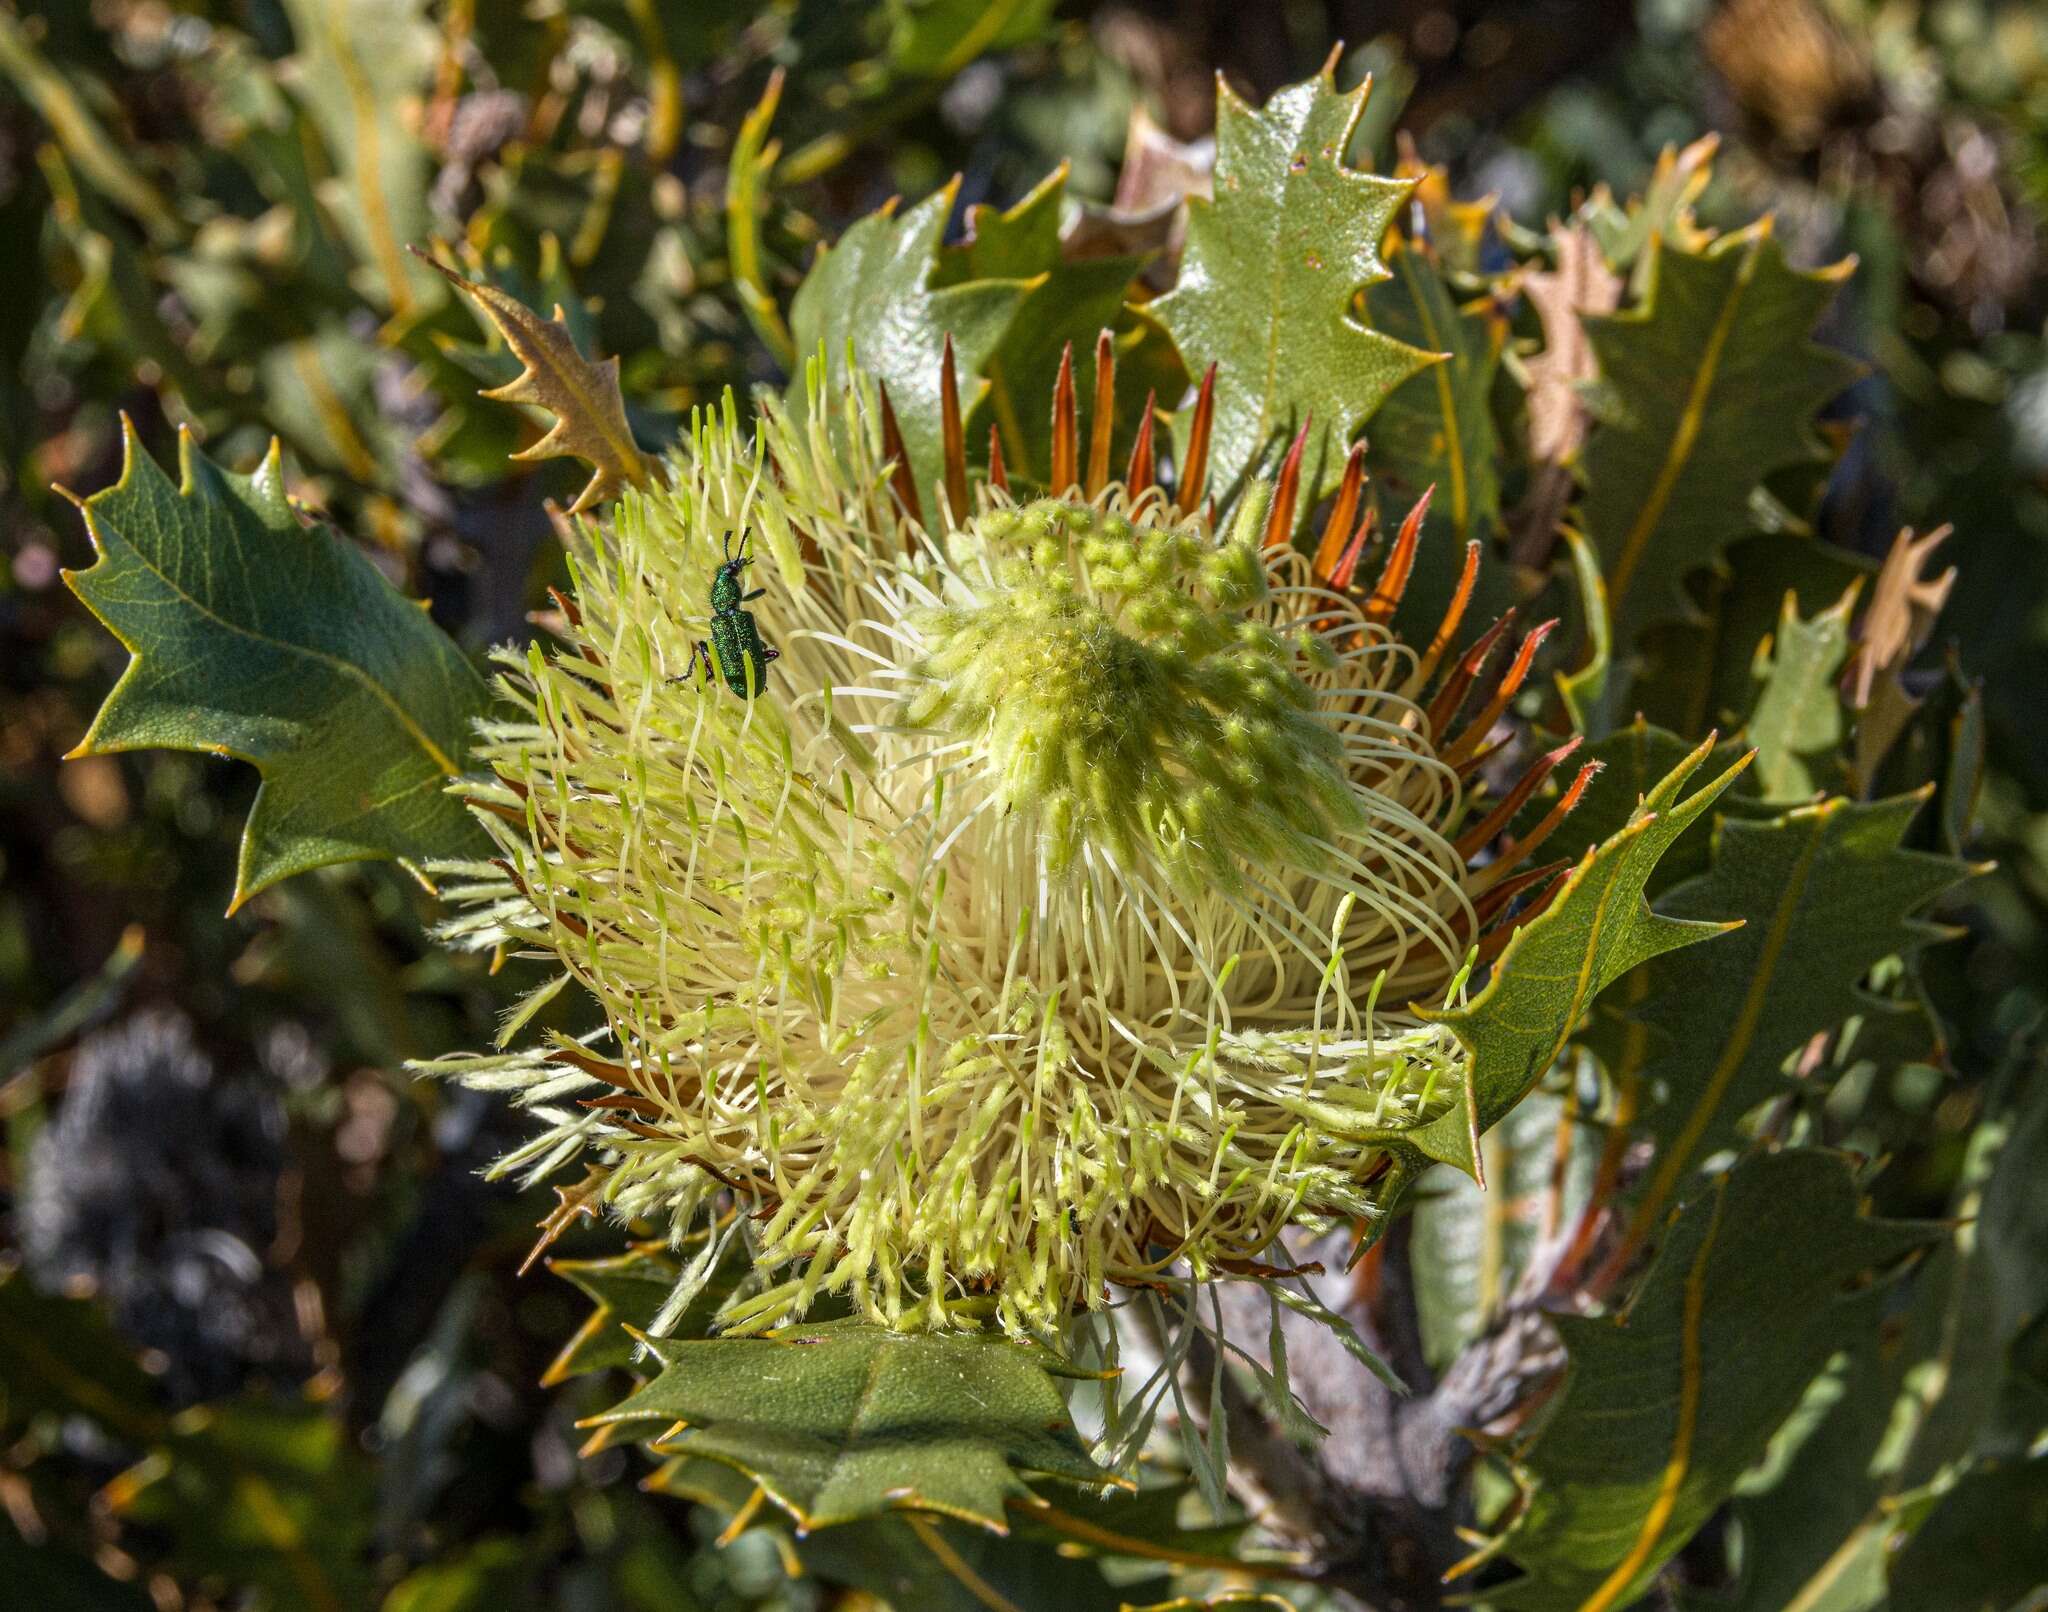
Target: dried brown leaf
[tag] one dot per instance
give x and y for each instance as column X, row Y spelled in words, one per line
column 582, row 394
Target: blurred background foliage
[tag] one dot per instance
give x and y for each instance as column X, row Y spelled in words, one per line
column 267, row 1343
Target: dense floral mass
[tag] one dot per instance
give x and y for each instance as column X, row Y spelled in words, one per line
column 1050, row 919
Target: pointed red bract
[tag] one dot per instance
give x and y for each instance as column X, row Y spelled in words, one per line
column 1337, row 525
column 1280, row 517
column 1066, row 436
column 1194, row 475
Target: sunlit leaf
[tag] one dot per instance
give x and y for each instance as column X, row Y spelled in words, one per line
column 254, row 635
column 1597, row 929
column 1268, row 279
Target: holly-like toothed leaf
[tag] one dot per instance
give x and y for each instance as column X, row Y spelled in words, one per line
column 875, row 293
column 1823, row 894
column 1633, row 761
column 254, row 635
column 1705, row 388
column 1066, row 302
column 1267, row 284
column 1665, row 1405
column 1597, row 929
column 1798, row 724
column 581, row 393
column 1628, row 232
column 848, row 1420
column 1436, row 431
column 1702, row 672
column 938, row 1565
column 630, row 1291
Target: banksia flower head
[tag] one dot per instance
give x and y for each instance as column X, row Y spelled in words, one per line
column 1064, row 910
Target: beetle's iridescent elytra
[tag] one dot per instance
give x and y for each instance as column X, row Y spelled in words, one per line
column 742, row 658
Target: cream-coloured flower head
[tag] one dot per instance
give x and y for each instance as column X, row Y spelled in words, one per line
column 1049, row 920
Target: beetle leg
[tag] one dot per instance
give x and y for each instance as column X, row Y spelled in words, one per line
column 757, row 593
column 710, row 666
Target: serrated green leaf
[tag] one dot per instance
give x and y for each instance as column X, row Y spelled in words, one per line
column 1632, row 762
column 1628, row 231
column 1066, row 302
column 1665, row 1406
column 252, row 635
column 1436, row 429
column 875, row 292
column 1823, row 893
column 1706, row 388
column 848, row 1420
column 1808, row 1536
column 725, row 1489
column 1268, row 281
column 1701, row 673
column 629, row 1291
column 1598, row 928
column 1905, row 1406
column 1798, row 724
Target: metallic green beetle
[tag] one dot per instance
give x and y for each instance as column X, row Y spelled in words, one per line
column 742, row 657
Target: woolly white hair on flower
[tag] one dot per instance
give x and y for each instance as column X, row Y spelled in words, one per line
column 1048, row 920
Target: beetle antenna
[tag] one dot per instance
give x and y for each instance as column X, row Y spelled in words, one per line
column 728, row 545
